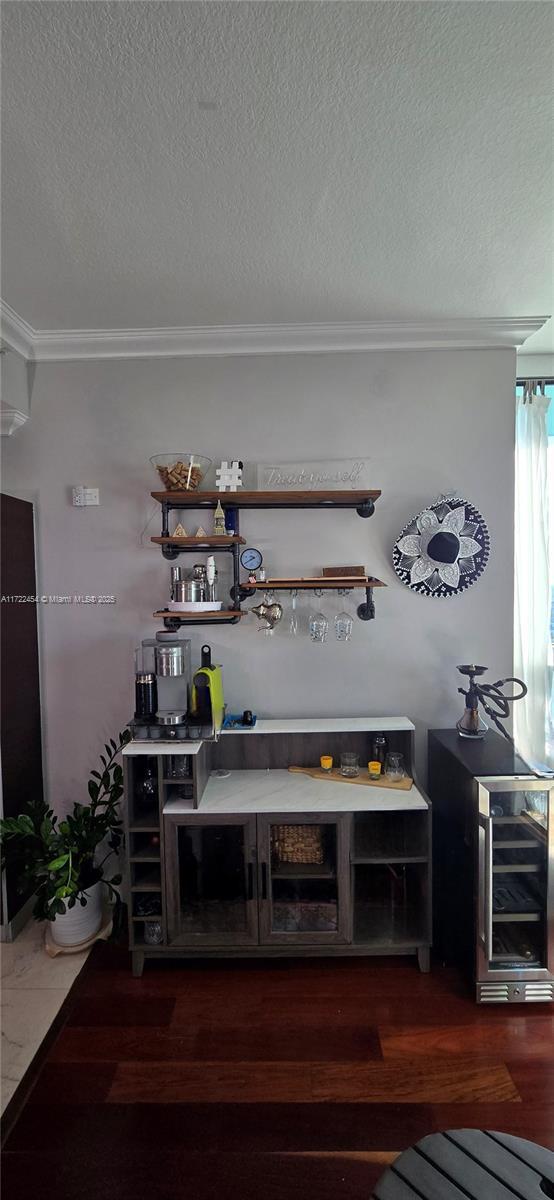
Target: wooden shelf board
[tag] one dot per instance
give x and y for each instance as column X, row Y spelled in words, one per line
column 151, row 917
column 210, row 540
column 292, row 499
column 216, row 615
column 359, row 860
column 518, row 869
column 144, row 857
column 361, row 780
column 144, row 825
column 500, row 918
column 303, row 871
column 321, row 582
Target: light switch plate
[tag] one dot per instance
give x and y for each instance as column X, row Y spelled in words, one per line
column 84, row 495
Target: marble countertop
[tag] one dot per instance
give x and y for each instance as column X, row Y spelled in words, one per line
column 326, row 725
column 285, row 791
column 154, row 746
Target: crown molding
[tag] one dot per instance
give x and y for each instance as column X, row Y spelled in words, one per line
column 11, row 419
column 468, row 333
column 15, row 332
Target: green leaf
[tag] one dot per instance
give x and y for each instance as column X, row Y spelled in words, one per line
column 93, row 789
column 58, row 862
column 25, row 824
column 116, row 880
column 96, row 774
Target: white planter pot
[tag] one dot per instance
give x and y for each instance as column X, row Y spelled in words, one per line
column 79, row 923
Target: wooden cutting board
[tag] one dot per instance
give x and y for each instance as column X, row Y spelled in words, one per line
column 363, row 780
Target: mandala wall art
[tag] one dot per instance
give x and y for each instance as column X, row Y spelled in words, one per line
column 444, row 549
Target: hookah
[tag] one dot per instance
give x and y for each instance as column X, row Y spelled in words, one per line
column 494, row 701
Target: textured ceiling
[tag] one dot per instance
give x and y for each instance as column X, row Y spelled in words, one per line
column 176, row 164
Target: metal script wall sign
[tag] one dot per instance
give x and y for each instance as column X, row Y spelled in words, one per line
column 341, row 474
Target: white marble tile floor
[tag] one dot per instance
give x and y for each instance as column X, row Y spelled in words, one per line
column 34, row 988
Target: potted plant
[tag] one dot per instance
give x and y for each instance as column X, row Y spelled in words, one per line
column 58, row 859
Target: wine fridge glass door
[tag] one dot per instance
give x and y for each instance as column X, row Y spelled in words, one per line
column 515, row 855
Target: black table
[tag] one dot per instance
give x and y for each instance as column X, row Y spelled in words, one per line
column 469, row 1163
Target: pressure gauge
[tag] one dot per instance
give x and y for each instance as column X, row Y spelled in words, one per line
column 251, row 559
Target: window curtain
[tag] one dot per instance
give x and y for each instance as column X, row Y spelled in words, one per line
column 532, row 650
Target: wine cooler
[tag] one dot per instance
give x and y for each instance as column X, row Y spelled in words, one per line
column 494, row 866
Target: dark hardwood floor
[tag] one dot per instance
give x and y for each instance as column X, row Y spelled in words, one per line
column 249, row 1080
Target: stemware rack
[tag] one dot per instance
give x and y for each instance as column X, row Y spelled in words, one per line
column 363, row 502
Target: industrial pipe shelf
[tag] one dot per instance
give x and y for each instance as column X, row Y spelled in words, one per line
column 331, row 582
column 363, row 501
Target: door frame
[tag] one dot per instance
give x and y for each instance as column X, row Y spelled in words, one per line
column 340, row 936
column 172, row 823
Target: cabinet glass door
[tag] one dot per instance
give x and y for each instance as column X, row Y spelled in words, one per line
column 515, row 832
column 211, row 881
column 303, row 878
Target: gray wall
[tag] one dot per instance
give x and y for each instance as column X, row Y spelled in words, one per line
column 430, row 421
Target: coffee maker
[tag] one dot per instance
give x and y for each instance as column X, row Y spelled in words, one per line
column 171, row 704
column 163, row 680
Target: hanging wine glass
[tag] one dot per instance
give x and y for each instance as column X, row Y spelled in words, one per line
column 319, row 627
column 293, row 627
column 343, row 627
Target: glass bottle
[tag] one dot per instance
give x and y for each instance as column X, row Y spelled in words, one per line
column 379, row 749
column 149, row 790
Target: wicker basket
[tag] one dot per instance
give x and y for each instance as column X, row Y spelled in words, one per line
column 298, row 844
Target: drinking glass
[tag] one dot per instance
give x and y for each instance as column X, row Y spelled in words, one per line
column 153, row 933
column 349, row 764
column 394, row 767
column 343, row 627
column 319, row 627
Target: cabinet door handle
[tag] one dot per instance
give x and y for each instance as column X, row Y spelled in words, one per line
column 250, row 881
column 264, row 881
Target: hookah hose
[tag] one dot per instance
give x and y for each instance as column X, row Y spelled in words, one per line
column 495, row 703
column 490, row 694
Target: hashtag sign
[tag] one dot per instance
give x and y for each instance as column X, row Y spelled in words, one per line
column 229, row 476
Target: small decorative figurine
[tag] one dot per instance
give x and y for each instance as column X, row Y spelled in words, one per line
column 269, row 612
column 219, row 520
column 201, row 532
column 180, row 531
column 229, row 476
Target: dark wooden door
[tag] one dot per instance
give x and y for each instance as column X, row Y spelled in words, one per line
column 20, row 739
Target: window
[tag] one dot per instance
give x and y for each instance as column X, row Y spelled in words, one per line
column 549, row 715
